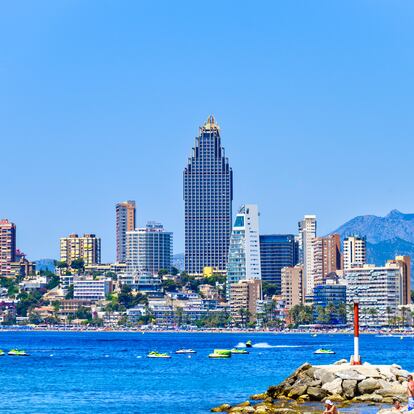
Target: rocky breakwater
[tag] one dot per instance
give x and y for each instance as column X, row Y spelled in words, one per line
column 340, row 382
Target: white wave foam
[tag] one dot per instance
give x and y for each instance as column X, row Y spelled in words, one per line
column 266, row 345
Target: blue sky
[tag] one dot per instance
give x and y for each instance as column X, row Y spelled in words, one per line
column 101, row 101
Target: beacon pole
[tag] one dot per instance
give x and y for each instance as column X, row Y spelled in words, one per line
column 356, row 359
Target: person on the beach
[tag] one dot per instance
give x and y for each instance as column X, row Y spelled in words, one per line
column 410, row 393
column 330, row 408
column 397, row 407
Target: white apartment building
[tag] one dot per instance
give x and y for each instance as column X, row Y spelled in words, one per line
column 244, row 252
column 307, row 232
column 91, row 289
column 379, row 291
column 355, row 252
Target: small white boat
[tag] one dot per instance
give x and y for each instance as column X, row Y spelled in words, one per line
column 185, row 351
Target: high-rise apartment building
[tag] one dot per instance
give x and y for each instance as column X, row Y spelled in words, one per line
column 125, row 221
column 276, row 252
column 245, row 295
column 326, row 257
column 330, row 294
column 293, row 287
column 7, row 247
column 307, row 232
column 86, row 248
column 355, row 252
column 149, row 249
column 404, row 264
column 208, row 195
column 244, row 251
column 378, row 290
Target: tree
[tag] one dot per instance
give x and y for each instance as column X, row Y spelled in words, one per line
column 373, row 313
column 53, row 281
column 69, row 293
column 174, row 271
column 269, row 289
column 35, row 318
column 162, row 272
column 78, row 265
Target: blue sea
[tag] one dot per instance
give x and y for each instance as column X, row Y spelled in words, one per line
column 108, row 372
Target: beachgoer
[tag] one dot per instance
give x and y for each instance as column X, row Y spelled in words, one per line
column 410, row 393
column 330, row 408
column 397, row 407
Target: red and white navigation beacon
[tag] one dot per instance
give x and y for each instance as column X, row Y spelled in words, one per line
column 356, row 358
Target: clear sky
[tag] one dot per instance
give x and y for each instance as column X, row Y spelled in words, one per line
column 100, row 101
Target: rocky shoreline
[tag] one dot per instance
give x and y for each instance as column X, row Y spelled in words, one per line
column 341, row 382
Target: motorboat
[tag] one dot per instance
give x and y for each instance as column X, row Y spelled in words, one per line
column 324, row 351
column 154, row 354
column 185, row 351
column 18, row 352
column 220, row 353
column 239, row 351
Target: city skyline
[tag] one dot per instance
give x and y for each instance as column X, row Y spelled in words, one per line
column 95, row 101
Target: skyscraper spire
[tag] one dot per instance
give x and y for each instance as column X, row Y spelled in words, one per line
column 210, row 124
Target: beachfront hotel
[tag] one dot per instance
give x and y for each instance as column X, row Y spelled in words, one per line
column 379, row 291
column 125, row 221
column 208, row 196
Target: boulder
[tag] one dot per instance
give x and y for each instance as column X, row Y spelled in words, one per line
column 244, row 404
column 335, row 398
column 349, row 387
column 350, row 374
column 261, row 396
column 316, row 393
column 391, row 389
column 333, row 387
column 297, row 391
column 341, row 362
column 248, row 410
column 368, row 371
column 386, row 373
column 368, row 386
column 324, row 375
column 221, row 408
column 368, row 398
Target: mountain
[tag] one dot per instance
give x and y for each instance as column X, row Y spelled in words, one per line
column 178, row 261
column 378, row 229
column 45, row 264
column 386, row 236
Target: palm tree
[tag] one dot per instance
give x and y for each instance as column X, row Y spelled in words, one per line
column 388, row 314
column 373, row 313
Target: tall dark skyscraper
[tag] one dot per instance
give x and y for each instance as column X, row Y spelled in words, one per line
column 208, row 196
column 277, row 251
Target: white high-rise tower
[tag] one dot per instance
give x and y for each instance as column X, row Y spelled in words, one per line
column 244, row 251
column 307, row 232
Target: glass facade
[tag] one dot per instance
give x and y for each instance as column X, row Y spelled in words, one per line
column 208, row 195
column 276, row 252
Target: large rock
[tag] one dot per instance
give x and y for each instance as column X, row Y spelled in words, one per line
column 369, row 371
column 349, row 388
column 350, row 374
column 368, row 386
column 369, row 398
column 221, row 408
column 316, row 393
column 324, row 375
column 333, row 387
column 297, row 391
column 391, row 389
